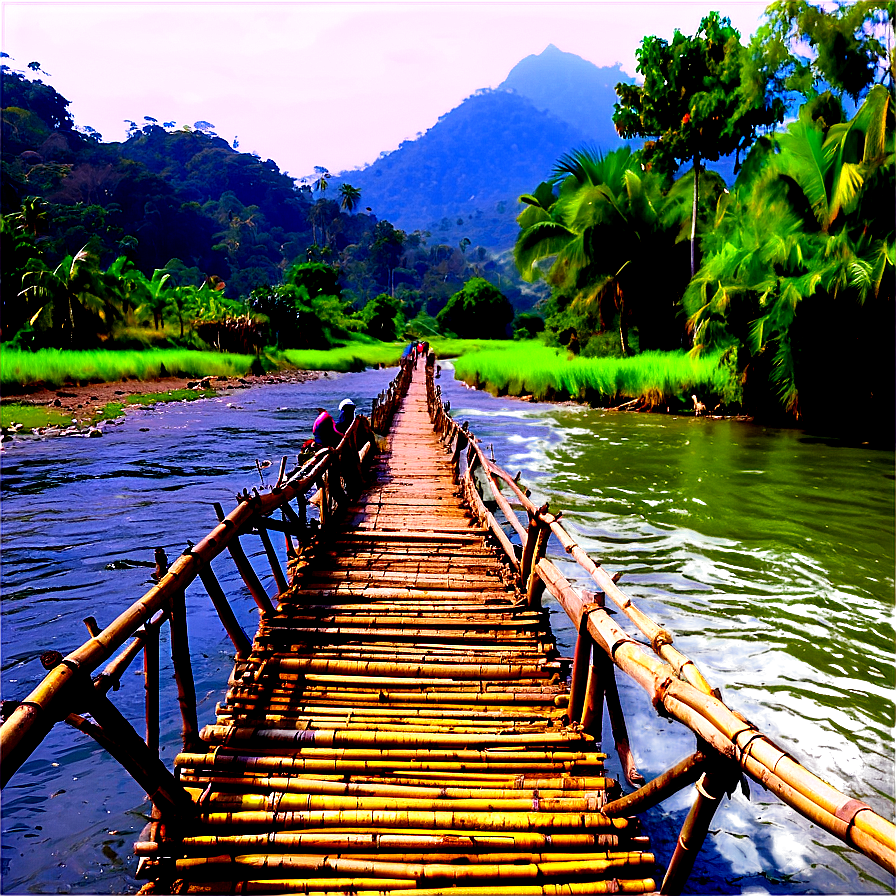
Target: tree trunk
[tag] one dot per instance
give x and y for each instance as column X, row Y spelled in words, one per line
column 623, row 325
column 694, row 215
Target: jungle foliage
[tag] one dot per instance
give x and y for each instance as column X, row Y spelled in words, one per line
column 175, row 228
column 792, row 276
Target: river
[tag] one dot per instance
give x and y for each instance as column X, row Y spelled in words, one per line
column 768, row 553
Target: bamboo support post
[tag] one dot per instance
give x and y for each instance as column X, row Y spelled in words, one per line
column 536, row 585
column 151, row 688
column 144, row 765
column 250, row 577
column 183, row 669
column 660, row 788
column 617, row 720
column 581, row 671
column 710, row 789
column 274, row 561
column 241, row 642
column 593, row 709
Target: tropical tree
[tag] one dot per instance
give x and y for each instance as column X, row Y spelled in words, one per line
column 808, row 49
column 72, row 301
column 382, row 317
column 798, row 273
column 478, row 310
column 33, row 216
column 602, row 223
column 692, row 106
column 127, row 281
column 323, row 177
column 156, row 298
column 351, row 196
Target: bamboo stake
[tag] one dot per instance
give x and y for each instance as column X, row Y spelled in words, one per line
column 151, row 688
column 241, row 642
column 183, row 670
column 710, row 789
column 581, row 671
column 248, row 575
column 617, row 721
column 129, row 749
column 276, row 569
column 660, row 788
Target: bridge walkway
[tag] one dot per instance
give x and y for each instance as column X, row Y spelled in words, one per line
column 400, row 723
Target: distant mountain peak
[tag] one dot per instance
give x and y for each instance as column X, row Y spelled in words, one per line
column 572, row 88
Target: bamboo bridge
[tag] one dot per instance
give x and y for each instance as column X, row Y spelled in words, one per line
column 402, row 720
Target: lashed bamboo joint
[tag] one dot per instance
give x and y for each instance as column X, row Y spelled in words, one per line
column 402, row 720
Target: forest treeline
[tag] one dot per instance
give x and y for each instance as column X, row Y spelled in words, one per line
column 177, row 229
column 790, row 272
column 787, row 275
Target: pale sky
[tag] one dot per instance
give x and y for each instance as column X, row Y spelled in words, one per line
column 305, row 84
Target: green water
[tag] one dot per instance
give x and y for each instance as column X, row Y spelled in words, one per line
column 770, row 556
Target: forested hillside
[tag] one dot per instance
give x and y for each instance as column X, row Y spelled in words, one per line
column 186, row 209
column 572, row 89
column 463, row 176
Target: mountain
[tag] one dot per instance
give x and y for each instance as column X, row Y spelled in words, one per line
column 463, row 177
column 572, row 89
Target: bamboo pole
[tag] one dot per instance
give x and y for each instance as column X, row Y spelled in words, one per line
column 183, row 670
column 375, row 887
column 710, row 789
column 486, row 821
column 151, row 689
column 241, row 642
column 121, row 740
column 276, row 569
column 581, row 671
column 660, row 788
column 249, row 576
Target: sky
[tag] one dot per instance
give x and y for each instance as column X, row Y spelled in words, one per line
column 316, row 84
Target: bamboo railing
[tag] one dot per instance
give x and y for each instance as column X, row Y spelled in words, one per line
column 728, row 745
column 71, row 686
column 328, row 782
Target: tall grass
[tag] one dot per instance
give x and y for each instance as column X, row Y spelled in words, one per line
column 532, row 368
column 55, row 367
column 354, row 356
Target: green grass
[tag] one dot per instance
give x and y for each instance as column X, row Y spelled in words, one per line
column 354, row 356
column 29, row 416
column 531, row 368
column 170, row 395
column 56, row 367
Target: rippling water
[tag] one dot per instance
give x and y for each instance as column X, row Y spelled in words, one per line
column 769, row 554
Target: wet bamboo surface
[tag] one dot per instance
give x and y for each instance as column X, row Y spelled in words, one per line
column 400, row 724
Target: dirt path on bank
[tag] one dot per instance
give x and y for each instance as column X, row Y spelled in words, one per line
column 95, row 396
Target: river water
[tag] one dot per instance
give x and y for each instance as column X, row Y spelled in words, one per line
column 768, row 553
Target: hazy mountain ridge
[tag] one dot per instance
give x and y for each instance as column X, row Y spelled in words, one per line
column 463, row 177
column 572, row 89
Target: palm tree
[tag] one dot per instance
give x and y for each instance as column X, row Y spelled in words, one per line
column 600, row 222
column 123, row 278
column 32, row 217
column 72, row 299
column 323, row 177
column 802, row 254
column 155, row 298
column 351, row 196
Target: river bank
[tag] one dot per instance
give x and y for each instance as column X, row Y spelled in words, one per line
column 75, row 409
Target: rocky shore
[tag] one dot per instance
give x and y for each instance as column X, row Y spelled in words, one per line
column 85, row 403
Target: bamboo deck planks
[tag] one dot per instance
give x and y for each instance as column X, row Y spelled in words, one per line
column 399, row 725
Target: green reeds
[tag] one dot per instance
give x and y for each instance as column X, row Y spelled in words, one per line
column 56, row 367
column 531, row 368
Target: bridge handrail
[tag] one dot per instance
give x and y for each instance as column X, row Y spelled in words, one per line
column 675, row 686
column 68, row 689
